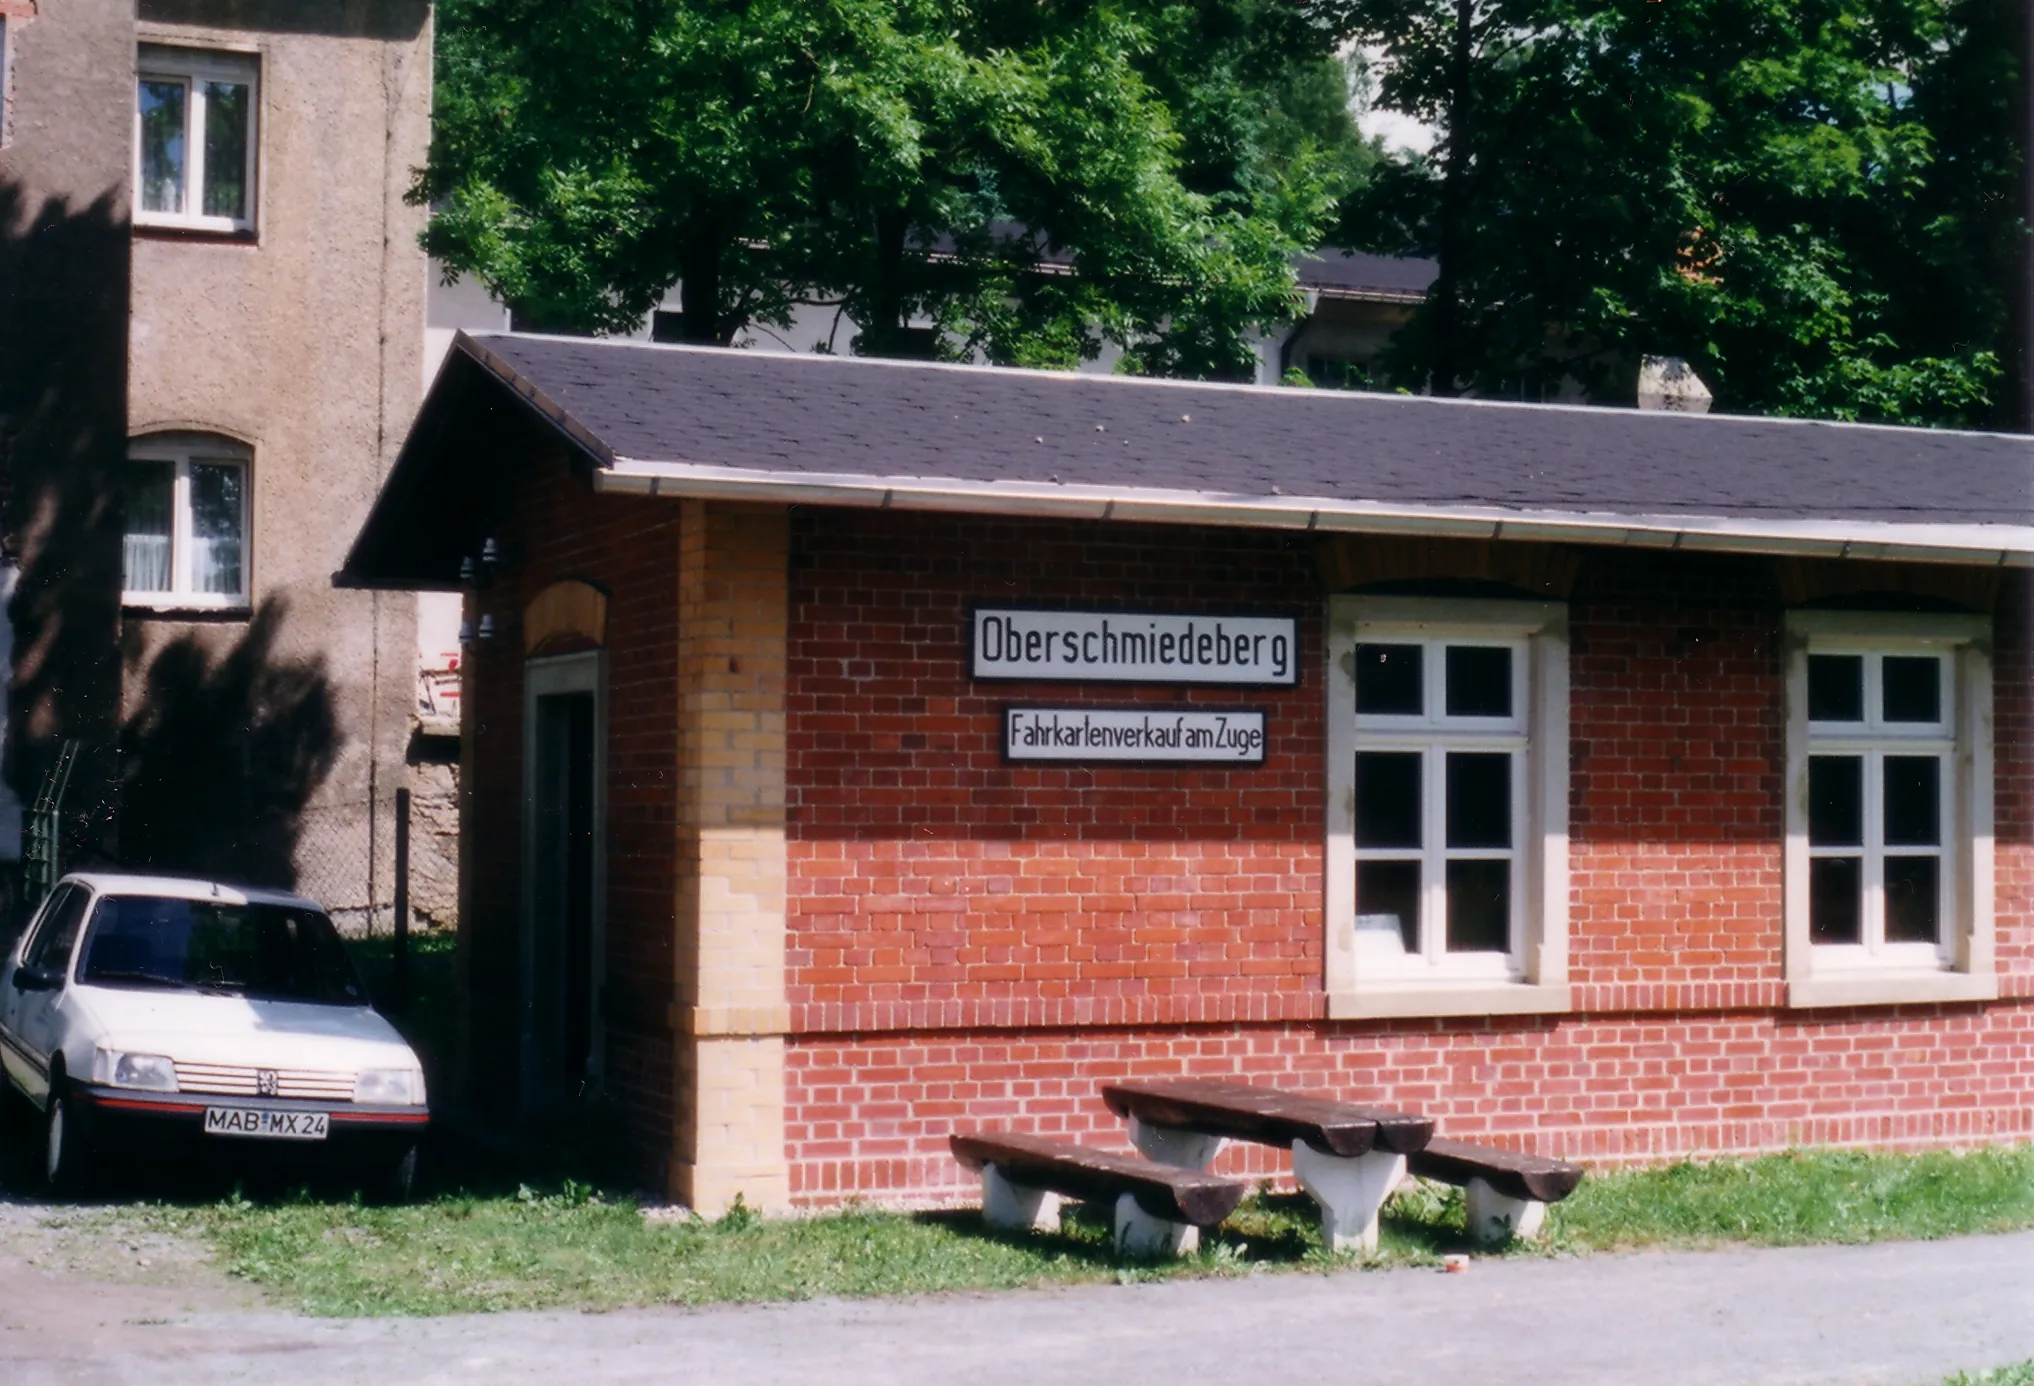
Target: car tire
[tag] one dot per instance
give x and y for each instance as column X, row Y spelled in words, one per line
column 65, row 1152
column 14, row 1109
column 402, row 1177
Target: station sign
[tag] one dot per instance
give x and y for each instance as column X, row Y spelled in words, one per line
column 1129, row 647
column 1168, row 735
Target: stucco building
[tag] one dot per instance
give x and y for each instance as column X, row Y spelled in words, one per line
column 856, row 751
column 1350, row 304
column 242, row 164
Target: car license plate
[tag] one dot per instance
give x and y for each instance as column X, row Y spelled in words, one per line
column 253, row 1121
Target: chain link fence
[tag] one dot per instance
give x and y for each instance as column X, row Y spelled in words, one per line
column 345, row 856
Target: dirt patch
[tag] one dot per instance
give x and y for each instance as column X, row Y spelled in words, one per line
column 66, row 1268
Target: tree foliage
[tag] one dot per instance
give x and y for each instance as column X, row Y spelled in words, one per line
column 1813, row 201
column 897, row 160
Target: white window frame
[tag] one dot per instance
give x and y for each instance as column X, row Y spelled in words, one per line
column 7, row 79
column 194, row 67
column 180, row 450
column 1533, row 977
column 1959, row 967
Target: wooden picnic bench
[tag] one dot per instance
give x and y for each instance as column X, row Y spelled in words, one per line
column 1159, row 1209
column 1346, row 1156
column 1505, row 1193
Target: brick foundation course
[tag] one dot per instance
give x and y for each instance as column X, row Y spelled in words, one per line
column 869, row 1116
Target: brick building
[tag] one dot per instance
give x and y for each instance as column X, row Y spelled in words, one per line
column 854, row 750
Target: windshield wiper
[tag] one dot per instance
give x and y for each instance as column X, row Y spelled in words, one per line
column 154, row 979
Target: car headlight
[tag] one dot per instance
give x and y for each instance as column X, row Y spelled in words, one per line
column 390, row 1087
column 118, row 1069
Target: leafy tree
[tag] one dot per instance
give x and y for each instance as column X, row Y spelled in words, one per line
column 587, row 155
column 1750, row 184
column 895, row 159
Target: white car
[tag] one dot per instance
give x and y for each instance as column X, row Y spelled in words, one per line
column 139, row 1013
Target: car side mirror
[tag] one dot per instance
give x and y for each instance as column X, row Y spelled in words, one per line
column 28, row 978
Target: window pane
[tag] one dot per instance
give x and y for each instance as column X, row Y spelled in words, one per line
column 1912, row 897
column 1836, row 801
column 1913, row 688
column 1388, row 901
column 1479, row 799
column 226, row 111
column 1388, row 799
column 1914, row 801
column 1479, row 681
column 1836, row 688
column 52, row 947
column 145, row 551
column 1835, row 900
column 162, row 145
column 1389, row 680
column 261, row 951
column 1479, row 907
column 215, row 526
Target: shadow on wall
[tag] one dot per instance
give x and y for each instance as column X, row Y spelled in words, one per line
column 221, row 754
column 339, row 18
column 63, row 424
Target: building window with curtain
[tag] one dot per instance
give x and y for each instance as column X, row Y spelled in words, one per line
column 6, row 85
column 195, row 145
column 186, row 540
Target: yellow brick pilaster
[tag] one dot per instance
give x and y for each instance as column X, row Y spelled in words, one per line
column 731, row 1013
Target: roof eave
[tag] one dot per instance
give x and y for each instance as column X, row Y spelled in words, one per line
column 1402, row 298
column 553, row 413
column 1967, row 545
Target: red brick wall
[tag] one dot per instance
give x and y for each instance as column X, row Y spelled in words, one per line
column 1677, row 725
column 1127, row 921
column 560, row 529
column 931, row 878
column 2013, row 773
column 870, row 1115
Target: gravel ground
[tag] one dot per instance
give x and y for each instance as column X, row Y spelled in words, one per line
column 83, row 1300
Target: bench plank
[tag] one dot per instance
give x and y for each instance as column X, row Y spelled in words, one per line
column 1077, row 1171
column 1507, row 1171
column 1269, row 1116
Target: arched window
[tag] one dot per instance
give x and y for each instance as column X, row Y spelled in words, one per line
column 186, row 543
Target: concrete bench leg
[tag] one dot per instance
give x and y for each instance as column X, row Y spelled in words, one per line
column 1005, row 1204
column 1350, row 1190
column 1140, row 1234
column 1493, row 1216
column 1169, row 1145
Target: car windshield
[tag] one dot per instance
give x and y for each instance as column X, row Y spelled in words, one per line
column 267, row 952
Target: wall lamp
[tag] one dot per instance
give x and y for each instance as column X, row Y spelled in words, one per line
column 480, row 572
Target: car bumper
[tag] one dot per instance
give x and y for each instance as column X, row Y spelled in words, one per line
column 355, row 1131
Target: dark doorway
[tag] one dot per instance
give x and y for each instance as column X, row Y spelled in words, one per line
column 561, row 1056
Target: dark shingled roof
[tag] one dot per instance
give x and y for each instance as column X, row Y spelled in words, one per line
column 1353, row 274
column 1330, row 271
column 829, row 416
column 821, row 430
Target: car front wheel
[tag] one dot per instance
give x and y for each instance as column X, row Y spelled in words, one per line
column 64, row 1152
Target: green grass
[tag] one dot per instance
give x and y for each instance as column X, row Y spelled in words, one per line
column 2021, row 1375
column 1802, row 1197
column 575, row 1247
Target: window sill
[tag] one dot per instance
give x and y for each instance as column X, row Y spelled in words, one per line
column 183, row 231
column 1892, row 989
column 1468, row 998
column 174, row 610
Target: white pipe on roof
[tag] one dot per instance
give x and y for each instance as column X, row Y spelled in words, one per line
column 1967, row 544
